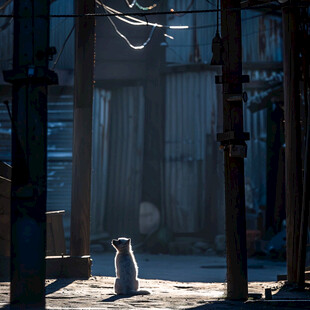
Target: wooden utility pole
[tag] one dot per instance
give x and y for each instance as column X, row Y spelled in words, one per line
column 154, row 94
column 293, row 177
column 82, row 131
column 30, row 77
column 303, row 238
column 233, row 141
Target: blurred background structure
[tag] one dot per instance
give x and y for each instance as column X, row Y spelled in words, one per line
column 133, row 137
column 180, row 175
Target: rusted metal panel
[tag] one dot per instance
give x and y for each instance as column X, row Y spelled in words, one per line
column 261, row 37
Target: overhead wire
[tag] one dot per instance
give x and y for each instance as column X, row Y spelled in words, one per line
column 63, row 46
column 5, row 5
column 136, row 21
column 146, row 8
column 256, row 7
column 131, row 5
column 136, row 47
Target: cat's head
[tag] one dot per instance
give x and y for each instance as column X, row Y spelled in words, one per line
column 122, row 244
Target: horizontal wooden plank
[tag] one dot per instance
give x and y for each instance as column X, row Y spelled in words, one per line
column 68, row 267
column 56, row 267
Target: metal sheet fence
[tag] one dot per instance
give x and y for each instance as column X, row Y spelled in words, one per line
column 101, row 107
column 192, row 160
column 126, row 127
column 261, row 34
column 6, row 39
column 194, row 190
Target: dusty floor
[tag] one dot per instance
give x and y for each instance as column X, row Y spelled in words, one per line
column 176, row 282
column 96, row 293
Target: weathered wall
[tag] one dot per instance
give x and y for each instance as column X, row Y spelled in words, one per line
column 193, row 163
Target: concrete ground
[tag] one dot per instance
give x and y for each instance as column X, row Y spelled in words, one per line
column 187, row 268
column 175, row 282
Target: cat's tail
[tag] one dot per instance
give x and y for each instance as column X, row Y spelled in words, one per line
column 140, row 292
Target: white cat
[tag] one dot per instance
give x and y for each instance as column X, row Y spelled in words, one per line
column 126, row 269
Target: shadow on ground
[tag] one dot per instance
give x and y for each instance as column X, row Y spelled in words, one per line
column 57, row 285
column 116, row 297
column 255, row 305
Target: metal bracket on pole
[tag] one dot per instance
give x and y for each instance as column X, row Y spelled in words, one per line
column 34, row 73
column 232, row 79
column 235, row 143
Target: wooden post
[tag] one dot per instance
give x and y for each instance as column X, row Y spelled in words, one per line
column 154, row 94
column 306, row 180
column 233, row 142
column 292, row 137
column 30, row 77
column 82, row 131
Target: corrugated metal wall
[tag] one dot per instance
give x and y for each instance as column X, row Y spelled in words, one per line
column 125, row 161
column 261, row 34
column 59, row 146
column 191, row 127
column 59, row 170
column 6, row 39
column 101, row 106
column 261, row 37
column 256, row 124
column 59, row 30
column 5, row 134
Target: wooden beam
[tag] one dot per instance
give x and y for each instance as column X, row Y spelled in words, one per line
column 154, row 94
column 56, row 267
column 236, row 252
column 68, row 267
column 30, row 77
column 290, row 17
column 82, row 131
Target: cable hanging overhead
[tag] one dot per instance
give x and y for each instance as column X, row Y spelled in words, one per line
column 143, row 8
column 135, row 22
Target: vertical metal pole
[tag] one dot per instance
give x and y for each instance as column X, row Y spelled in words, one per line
column 234, row 151
column 29, row 77
column 82, row 131
column 292, row 138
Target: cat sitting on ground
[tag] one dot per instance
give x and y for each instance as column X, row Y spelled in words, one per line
column 126, row 269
